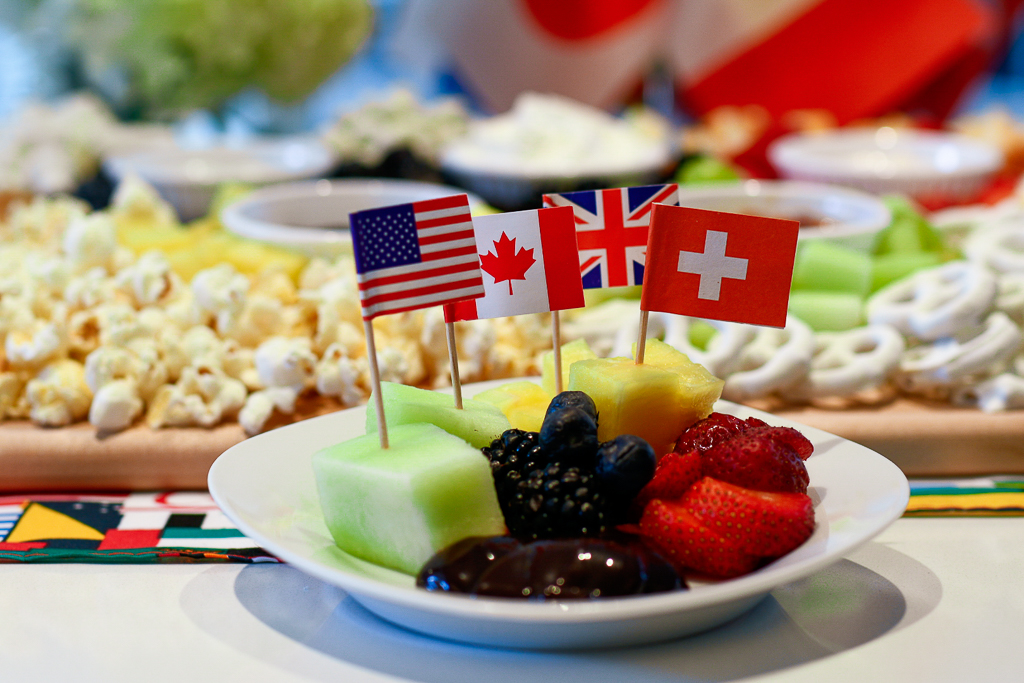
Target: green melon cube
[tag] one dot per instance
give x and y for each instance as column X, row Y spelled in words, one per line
column 398, row 506
column 477, row 422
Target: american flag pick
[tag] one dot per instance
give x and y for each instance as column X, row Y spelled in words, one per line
column 411, row 256
column 611, row 230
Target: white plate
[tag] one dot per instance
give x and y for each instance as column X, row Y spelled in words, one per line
column 919, row 163
column 188, row 178
column 265, row 485
column 312, row 216
column 849, row 217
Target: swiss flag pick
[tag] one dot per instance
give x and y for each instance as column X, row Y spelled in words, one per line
column 720, row 266
column 528, row 259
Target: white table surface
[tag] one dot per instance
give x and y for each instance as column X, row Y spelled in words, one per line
column 928, row 600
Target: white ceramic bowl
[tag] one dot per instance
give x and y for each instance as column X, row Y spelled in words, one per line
column 919, row 163
column 844, row 216
column 188, row 178
column 312, row 216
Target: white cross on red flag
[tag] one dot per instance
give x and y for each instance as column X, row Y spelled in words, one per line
column 719, row 266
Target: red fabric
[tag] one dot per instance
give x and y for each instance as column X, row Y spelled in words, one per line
column 121, row 539
column 759, row 295
column 855, row 58
column 582, row 19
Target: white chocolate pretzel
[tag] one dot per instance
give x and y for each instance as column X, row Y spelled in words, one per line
column 999, row 247
column 935, row 303
column 978, row 352
column 773, row 361
column 723, row 348
column 850, row 362
column 1002, row 392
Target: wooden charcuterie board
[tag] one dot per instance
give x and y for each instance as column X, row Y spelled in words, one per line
column 924, row 440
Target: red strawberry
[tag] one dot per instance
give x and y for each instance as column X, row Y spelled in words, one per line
column 686, row 542
column 758, row 522
column 755, row 460
column 794, row 439
column 704, row 434
column 675, row 473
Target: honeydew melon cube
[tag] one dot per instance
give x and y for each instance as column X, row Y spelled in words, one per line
column 632, row 399
column 827, row 311
column 578, row 349
column 398, row 506
column 523, row 403
column 477, row 422
column 821, row 266
column 698, row 389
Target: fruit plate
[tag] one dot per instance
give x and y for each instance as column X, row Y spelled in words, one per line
column 265, row 486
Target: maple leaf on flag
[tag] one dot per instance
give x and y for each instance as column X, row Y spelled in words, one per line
column 506, row 263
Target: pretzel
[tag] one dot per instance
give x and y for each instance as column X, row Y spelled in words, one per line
column 850, row 362
column 952, row 361
column 1010, row 297
column 999, row 247
column 772, row 361
column 723, row 349
column 1002, row 392
column 935, row 303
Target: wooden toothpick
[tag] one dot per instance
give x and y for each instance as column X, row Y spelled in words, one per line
column 641, row 341
column 453, row 359
column 556, row 342
column 371, row 356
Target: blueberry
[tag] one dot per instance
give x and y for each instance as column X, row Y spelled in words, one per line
column 572, row 399
column 568, row 435
column 625, row 464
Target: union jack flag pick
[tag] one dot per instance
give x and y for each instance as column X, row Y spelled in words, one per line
column 411, row 256
column 611, row 230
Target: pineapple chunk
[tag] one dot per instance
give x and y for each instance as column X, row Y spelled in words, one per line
column 524, row 403
column 632, row 399
column 571, row 352
column 698, row 388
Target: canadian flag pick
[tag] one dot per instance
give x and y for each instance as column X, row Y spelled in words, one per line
column 529, row 259
column 720, row 266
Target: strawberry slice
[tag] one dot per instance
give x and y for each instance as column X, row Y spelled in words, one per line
column 757, row 522
column 704, row 434
column 754, row 459
column 792, row 438
column 675, row 473
column 681, row 537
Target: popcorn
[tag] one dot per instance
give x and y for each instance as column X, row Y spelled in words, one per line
column 286, row 362
column 58, row 395
column 220, row 291
column 110, row 363
column 43, row 221
column 12, row 386
column 203, row 396
column 92, row 288
column 90, row 242
column 115, row 406
column 149, row 280
column 136, row 199
column 338, row 375
column 36, row 344
column 260, row 406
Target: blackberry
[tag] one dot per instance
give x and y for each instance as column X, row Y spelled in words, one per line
column 544, row 498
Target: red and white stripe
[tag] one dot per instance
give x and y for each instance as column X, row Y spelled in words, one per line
column 450, row 267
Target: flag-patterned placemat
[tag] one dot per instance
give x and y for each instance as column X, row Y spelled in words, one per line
column 979, row 497
column 135, row 527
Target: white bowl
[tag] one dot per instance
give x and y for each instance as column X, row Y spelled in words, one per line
column 312, row 216
column 919, row 163
column 188, row 178
column 846, row 217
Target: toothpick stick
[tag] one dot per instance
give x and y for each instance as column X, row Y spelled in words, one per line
column 453, row 358
column 371, row 355
column 641, row 341
column 556, row 341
